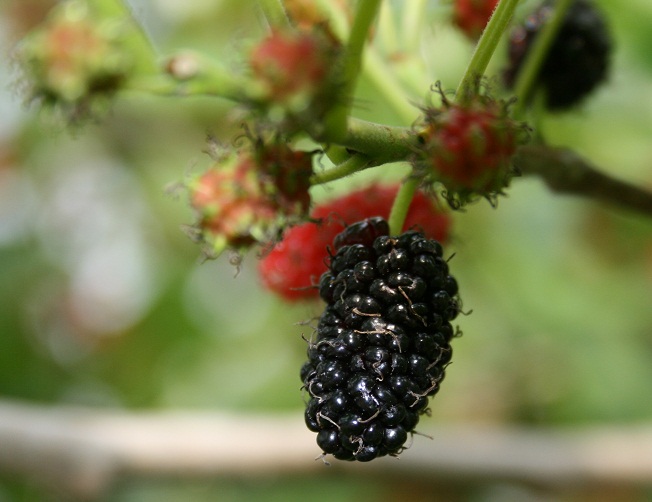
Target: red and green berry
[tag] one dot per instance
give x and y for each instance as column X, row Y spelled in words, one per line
column 468, row 147
column 296, row 71
column 249, row 196
column 74, row 61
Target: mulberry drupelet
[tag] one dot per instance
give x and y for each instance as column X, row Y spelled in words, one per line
column 382, row 343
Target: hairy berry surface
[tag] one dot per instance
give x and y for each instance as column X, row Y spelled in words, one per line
column 382, row 343
column 248, row 196
column 469, row 147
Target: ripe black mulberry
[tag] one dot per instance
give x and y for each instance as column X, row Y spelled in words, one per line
column 382, row 343
column 578, row 59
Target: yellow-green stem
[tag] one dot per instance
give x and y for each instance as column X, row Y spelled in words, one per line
column 485, row 49
column 352, row 165
column 402, row 204
column 335, row 121
column 274, row 13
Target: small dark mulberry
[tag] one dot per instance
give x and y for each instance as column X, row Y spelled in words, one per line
column 382, row 342
column 578, row 59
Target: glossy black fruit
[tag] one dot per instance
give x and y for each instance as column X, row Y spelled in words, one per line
column 382, row 343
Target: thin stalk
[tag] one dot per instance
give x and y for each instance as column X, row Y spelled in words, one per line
column 526, row 80
column 338, row 20
column 274, row 13
column 485, row 49
column 352, row 165
column 401, row 204
column 164, row 86
column 335, row 122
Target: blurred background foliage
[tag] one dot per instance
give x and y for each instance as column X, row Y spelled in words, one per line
column 105, row 302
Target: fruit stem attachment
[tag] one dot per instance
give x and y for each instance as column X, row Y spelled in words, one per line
column 381, row 142
column 401, row 204
column 526, row 81
column 352, row 165
column 484, row 50
column 335, row 121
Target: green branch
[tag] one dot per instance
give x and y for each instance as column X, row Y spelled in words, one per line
column 485, row 49
column 274, row 13
column 564, row 171
column 350, row 166
column 401, row 204
column 335, row 121
column 382, row 143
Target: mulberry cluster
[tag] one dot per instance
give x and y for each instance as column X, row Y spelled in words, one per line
column 382, row 343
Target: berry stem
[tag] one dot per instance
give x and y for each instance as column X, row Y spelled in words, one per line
column 338, row 20
column 335, row 121
column 336, row 153
column 380, row 142
column 401, row 204
column 469, row 85
column 274, row 13
column 350, row 166
column 526, row 80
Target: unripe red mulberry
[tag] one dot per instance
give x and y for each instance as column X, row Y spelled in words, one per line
column 293, row 266
column 298, row 73
column 76, row 60
column 468, row 147
column 249, row 196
